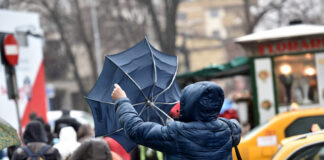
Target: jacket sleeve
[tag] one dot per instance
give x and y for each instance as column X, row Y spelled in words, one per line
column 235, row 127
column 149, row 134
column 236, row 131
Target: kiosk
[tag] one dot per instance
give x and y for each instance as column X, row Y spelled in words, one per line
column 287, row 68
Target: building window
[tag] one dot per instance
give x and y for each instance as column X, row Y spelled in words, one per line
column 296, row 79
column 181, row 16
column 214, row 12
column 216, row 34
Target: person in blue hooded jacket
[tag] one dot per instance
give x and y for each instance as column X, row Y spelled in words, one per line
column 198, row 134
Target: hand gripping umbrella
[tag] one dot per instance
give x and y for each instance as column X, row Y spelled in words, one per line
column 148, row 78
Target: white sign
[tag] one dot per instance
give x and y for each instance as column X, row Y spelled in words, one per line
column 319, row 58
column 265, row 88
column 11, row 49
column 267, row 141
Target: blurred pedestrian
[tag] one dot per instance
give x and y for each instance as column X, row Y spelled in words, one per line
column 92, row 149
column 11, row 150
column 228, row 110
column 32, row 116
column 66, row 120
column 49, row 134
column 198, row 134
column 35, row 140
column 117, row 148
column 85, row 132
column 67, row 142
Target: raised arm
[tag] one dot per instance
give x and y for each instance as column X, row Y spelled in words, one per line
column 150, row 134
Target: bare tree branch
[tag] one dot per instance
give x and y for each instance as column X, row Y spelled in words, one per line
column 155, row 21
column 252, row 22
column 85, row 40
column 54, row 14
column 171, row 28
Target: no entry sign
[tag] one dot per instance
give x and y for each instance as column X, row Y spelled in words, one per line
column 10, row 49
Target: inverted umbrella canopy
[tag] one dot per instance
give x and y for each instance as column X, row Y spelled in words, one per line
column 148, row 77
column 8, row 135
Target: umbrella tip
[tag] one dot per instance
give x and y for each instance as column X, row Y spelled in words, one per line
column 146, row 39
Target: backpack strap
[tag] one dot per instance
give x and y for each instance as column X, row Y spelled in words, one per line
column 30, row 154
column 237, row 152
column 28, row 151
column 44, row 150
column 36, row 156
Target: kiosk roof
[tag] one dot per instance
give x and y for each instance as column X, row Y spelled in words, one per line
column 283, row 32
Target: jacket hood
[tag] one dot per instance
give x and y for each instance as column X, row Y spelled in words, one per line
column 34, row 132
column 201, row 101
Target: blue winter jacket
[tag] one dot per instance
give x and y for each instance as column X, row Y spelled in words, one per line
column 198, row 135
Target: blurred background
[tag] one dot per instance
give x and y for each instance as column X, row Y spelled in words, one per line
column 267, row 55
column 199, row 32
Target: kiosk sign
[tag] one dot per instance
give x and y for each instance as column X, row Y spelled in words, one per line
column 290, row 46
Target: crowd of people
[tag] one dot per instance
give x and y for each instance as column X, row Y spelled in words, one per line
column 69, row 140
column 197, row 128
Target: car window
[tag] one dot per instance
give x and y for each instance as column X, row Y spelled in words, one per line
column 303, row 125
column 310, row 152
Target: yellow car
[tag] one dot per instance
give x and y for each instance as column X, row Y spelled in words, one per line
column 262, row 142
column 306, row 146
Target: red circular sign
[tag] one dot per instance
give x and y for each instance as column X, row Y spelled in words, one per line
column 11, row 49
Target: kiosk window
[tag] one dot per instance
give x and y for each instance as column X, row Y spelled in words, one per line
column 296, row 79
column 303, row 125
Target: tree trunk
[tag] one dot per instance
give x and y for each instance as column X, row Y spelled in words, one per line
column 166, row 37
column 55, row 17
column 86, row 41
column 170, row 32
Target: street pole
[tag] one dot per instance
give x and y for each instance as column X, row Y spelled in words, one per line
column 9, row 52
column 96, row 36
column 16, row 97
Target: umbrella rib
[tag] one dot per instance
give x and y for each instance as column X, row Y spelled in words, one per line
column 139, row 88
column 166, row 102
column 155, row 72
column 158, row 114
column 138, row 103
column 118, row 130
column 148, row 114
column 173, row 78
column 100, row 101
column 162, row 112
column 143, row 109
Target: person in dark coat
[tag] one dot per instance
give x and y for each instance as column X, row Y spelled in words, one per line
column 64, row 121
column 35, row 139
column 198, row 134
